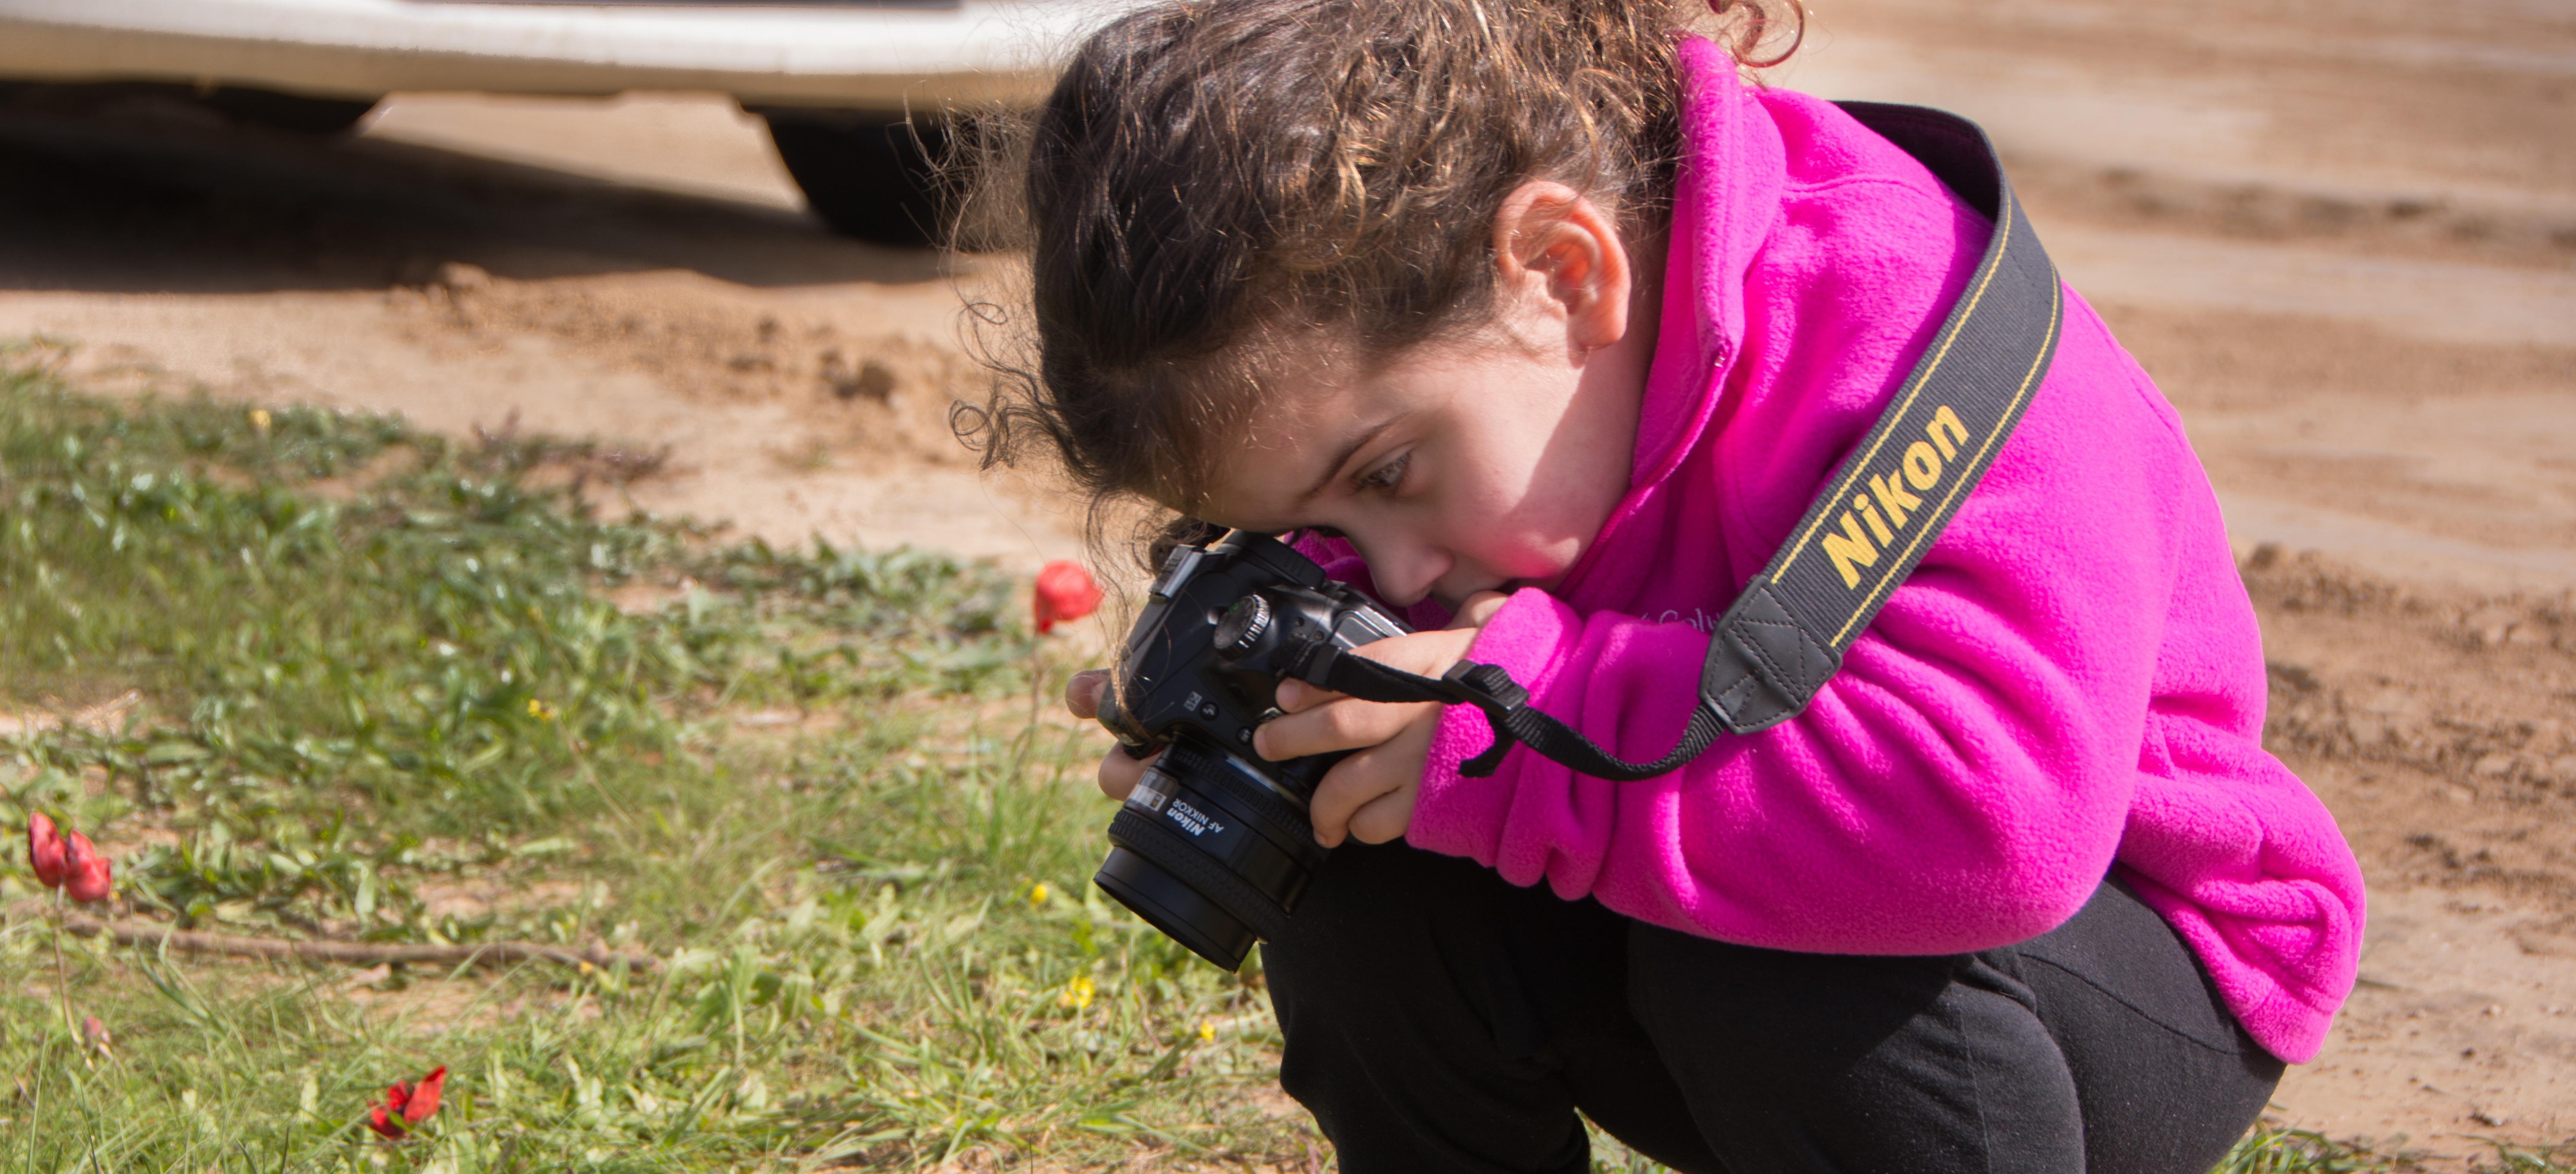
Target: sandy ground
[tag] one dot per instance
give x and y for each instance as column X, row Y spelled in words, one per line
column 2342, row 237
column 638, row 269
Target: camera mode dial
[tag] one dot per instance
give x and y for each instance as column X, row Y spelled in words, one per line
column 1240, row 632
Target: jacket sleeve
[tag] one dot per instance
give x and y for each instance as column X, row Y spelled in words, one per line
column 1962, row 783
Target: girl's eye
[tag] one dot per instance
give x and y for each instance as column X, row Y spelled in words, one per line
column 1388, row 475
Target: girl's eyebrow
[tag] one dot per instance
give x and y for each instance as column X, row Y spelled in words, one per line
column 1342, row 458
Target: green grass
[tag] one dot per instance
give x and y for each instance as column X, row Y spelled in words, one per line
column 384, row 696
column 370, row 684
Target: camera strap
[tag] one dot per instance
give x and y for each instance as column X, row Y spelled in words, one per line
column 1784, row 637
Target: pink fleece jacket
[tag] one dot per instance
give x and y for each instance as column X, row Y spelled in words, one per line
column 2072, row 678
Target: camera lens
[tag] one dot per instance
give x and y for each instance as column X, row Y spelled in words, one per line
column 1181, row 912
column 1209, row 853
column 1213, row 846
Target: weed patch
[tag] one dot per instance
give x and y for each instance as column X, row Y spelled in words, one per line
column 374, row 688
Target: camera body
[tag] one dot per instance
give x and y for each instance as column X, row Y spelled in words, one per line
column 1214, row 846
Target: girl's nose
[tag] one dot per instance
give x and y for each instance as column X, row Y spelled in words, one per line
column 1408, row 573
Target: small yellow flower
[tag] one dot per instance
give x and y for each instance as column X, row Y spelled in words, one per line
column 1077, row 994
column 1038, row 894
column 540, row 710
column 1207, row 1031
column 259, row 420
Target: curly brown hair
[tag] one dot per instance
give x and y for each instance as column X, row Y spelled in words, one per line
column 1211, row 178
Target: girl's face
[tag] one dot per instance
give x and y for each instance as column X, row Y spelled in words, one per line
column 1455, row 469
column 1483, row 465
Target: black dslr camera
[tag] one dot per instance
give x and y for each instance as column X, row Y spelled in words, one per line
column 1214, row 846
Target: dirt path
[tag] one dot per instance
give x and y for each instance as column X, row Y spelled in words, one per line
column 2436, row 724
column 2342, row 237
column 800, row 382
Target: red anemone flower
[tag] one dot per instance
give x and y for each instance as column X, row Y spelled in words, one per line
column 87, row 876
column 45, row 850
column 407, row 1105
column 1065, row 593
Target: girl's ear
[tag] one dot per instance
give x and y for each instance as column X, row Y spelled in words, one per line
column 1555, row 250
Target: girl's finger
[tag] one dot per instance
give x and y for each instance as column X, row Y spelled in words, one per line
column 1427, row 653
column 1119, row 772
column 1082, row 693
column 1352, row 784
column 1383, row 818
column 1341, row 724
column 1295, row 696
column 1479, row 609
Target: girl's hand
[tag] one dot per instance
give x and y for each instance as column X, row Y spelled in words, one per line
column 1369, row 794
column 1118, row 770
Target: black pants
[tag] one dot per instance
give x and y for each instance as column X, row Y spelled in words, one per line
column 1441, row 1019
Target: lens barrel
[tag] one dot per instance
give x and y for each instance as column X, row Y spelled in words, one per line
column 1209, row 853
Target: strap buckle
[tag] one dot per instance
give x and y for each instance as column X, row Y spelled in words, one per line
column 1488, row 687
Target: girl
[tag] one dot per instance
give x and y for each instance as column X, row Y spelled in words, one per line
column 1537, row 318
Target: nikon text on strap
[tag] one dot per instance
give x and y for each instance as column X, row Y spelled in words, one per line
column 1785, row 635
